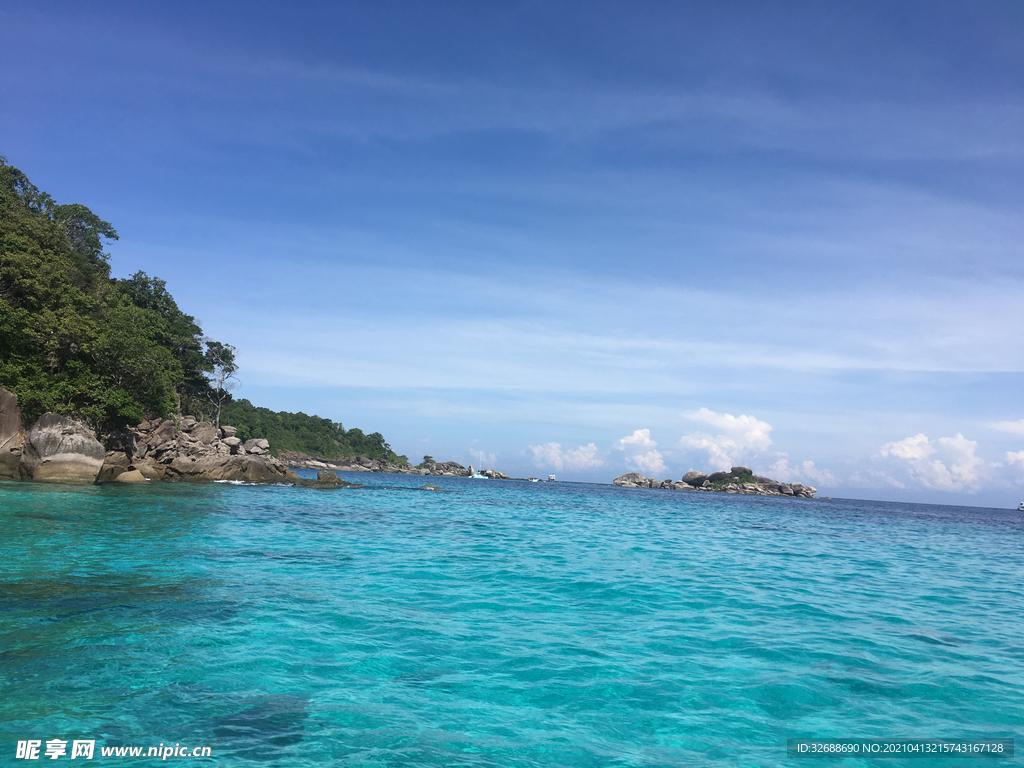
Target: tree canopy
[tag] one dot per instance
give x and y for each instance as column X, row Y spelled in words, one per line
column 311, row 435
column 75, row 341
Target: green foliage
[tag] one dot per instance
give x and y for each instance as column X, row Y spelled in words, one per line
column 114, row 352
column 221, row 368
column 744, row 478
column 75, row 341
column 426, row 460
column 310, row 435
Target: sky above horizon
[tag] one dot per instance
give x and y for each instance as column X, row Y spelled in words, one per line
column 573, row 238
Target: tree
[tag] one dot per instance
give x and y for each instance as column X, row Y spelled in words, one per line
column 222, row 368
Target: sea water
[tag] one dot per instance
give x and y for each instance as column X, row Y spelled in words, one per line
column 501, row 623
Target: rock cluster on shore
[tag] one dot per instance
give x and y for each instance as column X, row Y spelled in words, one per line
column 58, row 449
column 192, row 450
column 736, row 480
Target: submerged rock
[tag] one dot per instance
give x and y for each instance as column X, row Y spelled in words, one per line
column 325, row 480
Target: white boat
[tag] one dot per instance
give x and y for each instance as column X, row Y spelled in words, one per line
column 1020, row 507
column 474, row 474
column 551, row 478
column 533, row 479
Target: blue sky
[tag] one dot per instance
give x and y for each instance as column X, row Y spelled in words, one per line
column 580, row 238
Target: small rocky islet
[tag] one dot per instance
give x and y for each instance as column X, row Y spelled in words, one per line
column 736, row 480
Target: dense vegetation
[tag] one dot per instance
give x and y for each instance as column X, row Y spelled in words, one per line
column 74, row 340
column 310, row 435
column 113, row 352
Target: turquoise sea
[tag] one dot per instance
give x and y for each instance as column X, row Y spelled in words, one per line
column 501, row 624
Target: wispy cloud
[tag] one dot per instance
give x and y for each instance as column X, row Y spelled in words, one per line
column 1014, row 427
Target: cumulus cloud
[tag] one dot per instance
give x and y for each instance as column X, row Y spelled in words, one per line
column 803, row 472
column 738, row 437
column 642, row 454
column 552, row 455
column 1015, row 457
column 1016, row 427
column 946, row 463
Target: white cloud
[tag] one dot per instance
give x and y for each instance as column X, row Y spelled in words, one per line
column 1016, row 427
column 642, row 453
column 803, row 472
column 1015, row 457
column 552, row 455
column 739, row 437
column 946, row 463
column 910, row 448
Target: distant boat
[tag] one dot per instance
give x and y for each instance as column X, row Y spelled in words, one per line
column 1020, row 507
column 551, row 478
column 533, row 479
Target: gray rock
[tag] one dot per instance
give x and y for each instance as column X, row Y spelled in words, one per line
column 695, row 478
column 60, row 450
column 714, row 477
column 12, row 436
column 228, row 431
column 204, row 432
column 253, row 469
column 741, row 471
column 115, row 463
column 131, row 476
column 231, row 442
column 162, row 435
column 256, row 446
column 187, row 422
column 786, row 489
column 635, row 478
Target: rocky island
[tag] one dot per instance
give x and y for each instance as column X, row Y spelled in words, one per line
column 736, row 480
